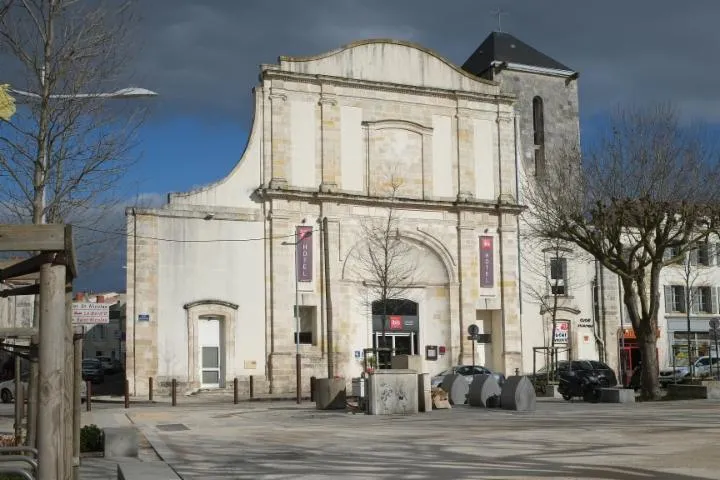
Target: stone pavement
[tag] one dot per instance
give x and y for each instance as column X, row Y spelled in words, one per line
column 664, row 440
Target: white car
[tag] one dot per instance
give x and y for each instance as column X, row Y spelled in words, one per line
column 7, row 390
column 681, row 373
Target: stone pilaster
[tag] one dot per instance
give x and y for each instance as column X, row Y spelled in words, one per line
column 505, row 161
column 510, row 295
column 280, row 135
column 466, row 158
column 141, row 357
column 467, row 254
column 330, row 147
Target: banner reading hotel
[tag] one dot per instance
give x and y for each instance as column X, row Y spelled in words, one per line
column 486, row 262
column 304, row 254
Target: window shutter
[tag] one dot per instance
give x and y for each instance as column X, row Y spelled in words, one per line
column 713, row 300
column 668, row 299
column 693, row 256
column 667, row 254
column 694, row 300
column 564, row 264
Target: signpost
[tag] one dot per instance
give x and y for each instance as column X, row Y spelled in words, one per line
column 88, row 313
column 473, row 331
column 715, row 336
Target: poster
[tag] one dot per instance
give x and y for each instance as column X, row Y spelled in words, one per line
column 304, row 254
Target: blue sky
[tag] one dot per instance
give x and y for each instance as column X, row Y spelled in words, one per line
column 203, row 59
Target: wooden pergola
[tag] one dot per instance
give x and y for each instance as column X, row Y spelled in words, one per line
column 53, row 417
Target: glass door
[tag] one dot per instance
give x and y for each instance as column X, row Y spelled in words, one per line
column 209, row 340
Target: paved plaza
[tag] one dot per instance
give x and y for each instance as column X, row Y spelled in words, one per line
column 664, row 440
column 282, row 440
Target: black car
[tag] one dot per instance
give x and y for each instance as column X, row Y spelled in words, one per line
column 569, row 371
column 92, row 369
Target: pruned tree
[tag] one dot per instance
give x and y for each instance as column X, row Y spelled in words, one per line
column 648, row 185
column 385, row 261
column 64, row 151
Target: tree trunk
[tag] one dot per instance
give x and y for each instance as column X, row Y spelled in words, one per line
column 650, row 385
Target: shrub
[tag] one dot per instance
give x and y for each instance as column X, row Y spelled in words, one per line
column 91, row 439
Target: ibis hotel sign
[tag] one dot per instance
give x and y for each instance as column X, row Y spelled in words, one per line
column 304, row 254
column 487, row 279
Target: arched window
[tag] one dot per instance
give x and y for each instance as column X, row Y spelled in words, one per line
column 539, row 135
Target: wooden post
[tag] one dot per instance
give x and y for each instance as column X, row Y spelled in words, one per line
column 77, row 400
column 150, row 389
column 19, row 399
column 252, row 386
column 50, row 432
column 32, row 408
column 173, row 392
column 88, row 395
column 69, row 390
column 235, row 391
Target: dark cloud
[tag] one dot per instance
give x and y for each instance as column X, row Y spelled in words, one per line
column 204, row 56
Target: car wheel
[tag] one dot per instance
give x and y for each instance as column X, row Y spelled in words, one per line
column 6, row 396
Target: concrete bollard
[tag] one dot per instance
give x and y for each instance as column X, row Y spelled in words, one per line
column 150, row 389
column 235, row 391
column 313, row 385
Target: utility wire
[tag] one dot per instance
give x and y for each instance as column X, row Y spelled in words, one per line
column 173, row 240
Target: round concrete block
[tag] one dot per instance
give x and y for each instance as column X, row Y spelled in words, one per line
column 518, row 394
column 456, row 387
column 484, row 392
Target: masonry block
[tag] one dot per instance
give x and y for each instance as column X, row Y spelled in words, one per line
column 617, row 395
column 424, row 393
column 120, row 442
column 518, row 394
column 330, row 394
column 407, row 362
column 484, row 392
column 457, row 388
column 392, row 392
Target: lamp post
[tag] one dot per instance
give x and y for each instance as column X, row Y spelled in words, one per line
column 298, row 360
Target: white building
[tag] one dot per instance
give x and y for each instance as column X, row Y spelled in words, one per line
column 211, row 284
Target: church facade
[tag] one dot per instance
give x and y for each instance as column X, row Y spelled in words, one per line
column 382, row 150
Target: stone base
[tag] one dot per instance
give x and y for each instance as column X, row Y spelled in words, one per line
column 120, row 442
column 617, row 395
column 709, row 390
column 549, row 391
column 330, row 394
column 518, row 394
column 484, row 392
column 425, row 403
column 393, row 392
column 128, row 470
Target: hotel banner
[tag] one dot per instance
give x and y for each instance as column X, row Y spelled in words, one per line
column 486, row 262
column 304, row 253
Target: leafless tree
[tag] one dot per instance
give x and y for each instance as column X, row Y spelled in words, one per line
column 386, row 262
column 648, row 185
column 550, row 268
column 692, row 277
column 63, row 152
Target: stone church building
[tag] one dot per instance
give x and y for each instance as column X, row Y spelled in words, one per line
column 372, row 131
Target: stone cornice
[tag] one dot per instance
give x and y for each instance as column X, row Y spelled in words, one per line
column 222, row 303
column 204, row 212
column 271, row 72
column 314, row 196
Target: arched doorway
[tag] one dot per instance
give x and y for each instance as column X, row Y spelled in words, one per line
column 396, row 326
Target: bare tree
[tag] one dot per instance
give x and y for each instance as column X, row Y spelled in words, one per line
column 692, row 276
column 550, row 269
column 647, row 186
column 63, row 152
column 386, row 262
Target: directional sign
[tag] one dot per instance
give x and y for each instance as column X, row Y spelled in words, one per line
column 90, row 313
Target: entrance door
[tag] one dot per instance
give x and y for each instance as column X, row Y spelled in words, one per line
column 210, row 352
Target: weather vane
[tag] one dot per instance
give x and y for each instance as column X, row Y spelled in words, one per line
column 499, row 13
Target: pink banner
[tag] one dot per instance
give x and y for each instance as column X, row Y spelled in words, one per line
column 486, row 262
column 303, row 237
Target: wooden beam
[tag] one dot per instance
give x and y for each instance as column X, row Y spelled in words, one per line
column 19, row 238
column 25, row 267
column 27, row 290
column 70, row 257
column 18, row 332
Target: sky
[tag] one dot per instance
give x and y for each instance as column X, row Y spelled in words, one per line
column 203, row 58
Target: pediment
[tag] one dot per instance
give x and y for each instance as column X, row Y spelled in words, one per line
column 390, row 61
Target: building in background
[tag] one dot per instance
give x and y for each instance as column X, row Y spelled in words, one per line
column 105, row 340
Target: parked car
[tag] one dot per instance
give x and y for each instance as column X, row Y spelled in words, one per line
column 110, row 365
column 7, row 389
column 566, row 369
column 681, row 373
column 467, row 371
column 92, row 369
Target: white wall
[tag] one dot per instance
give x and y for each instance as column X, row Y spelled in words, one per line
column 303, row 131
column 352, row 160
column 443, row 157
column 483, row 144
column 228, row 271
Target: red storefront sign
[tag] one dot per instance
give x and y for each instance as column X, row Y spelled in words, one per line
column 395, row 322
column 304, row 254
column 486, row 262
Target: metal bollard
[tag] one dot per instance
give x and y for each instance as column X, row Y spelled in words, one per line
column 235, row 391
column 252, row 386
column 127, row 394
column 173, row 392
column 88, row 395
column 150, row 389
column 313, row 379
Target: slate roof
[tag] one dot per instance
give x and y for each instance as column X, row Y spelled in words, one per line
column 503, row 47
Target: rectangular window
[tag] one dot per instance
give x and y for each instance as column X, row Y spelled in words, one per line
column 558, row 276
column 702, row 300
column 677, row 300
column 308, row 316
column 703, row 254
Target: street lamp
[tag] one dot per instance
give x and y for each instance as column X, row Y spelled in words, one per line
column 124, row 93
column 298, row 363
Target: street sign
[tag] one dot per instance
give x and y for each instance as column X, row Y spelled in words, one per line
column 88, row 313
column 473, row 330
